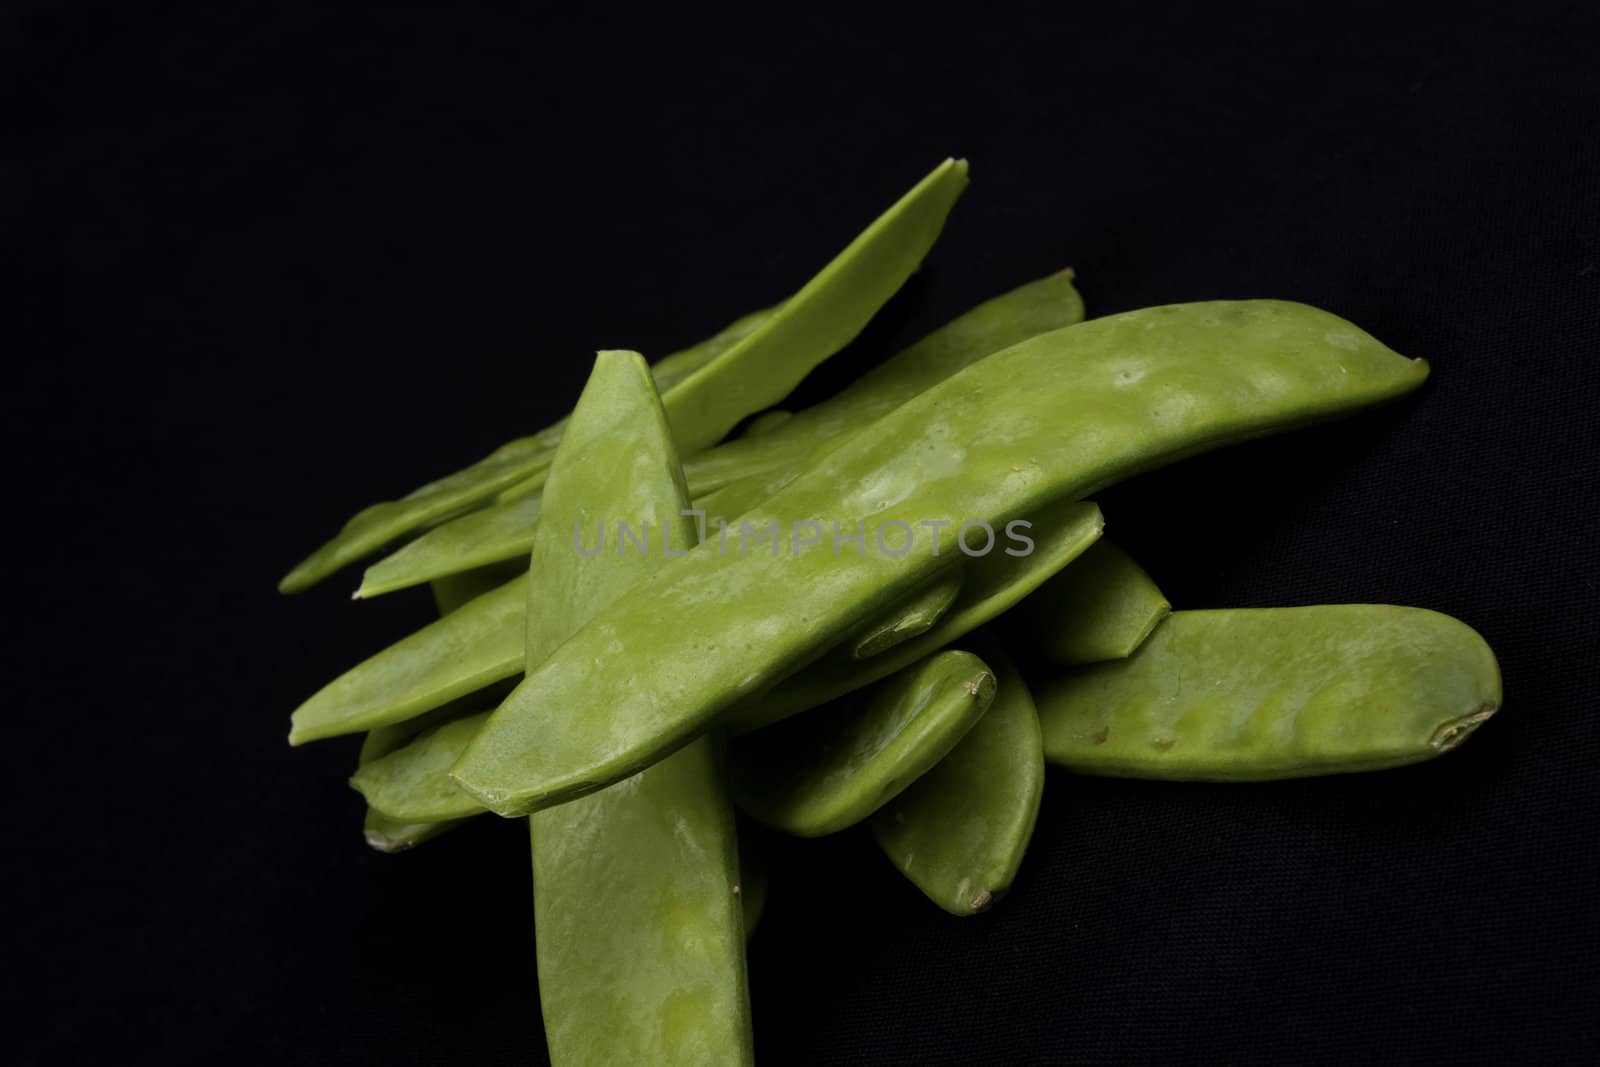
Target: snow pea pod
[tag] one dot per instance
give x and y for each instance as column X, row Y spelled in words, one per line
column 1053, row 418
column 476, row 645
column 452, row 591
column 1251, row 695
column 638, row 922
column 506, row 530
column 831, row 770
column 412, row 783
column 921, row 612
column 382, row 832
column 989, row 586
column 1102, row 607
column 960, row 831
column 518, row 463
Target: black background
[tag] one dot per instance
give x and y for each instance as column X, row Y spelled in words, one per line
column 283, row 260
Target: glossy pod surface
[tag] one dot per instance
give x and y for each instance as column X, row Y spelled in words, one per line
column 382, row 832
column 1053, row 418
column 1101, row 607
column 506, row 530
column 960, row 831
column 1250, row 695
column 831, row 770
column 638, row 921
column 413, row 784
column 989, row 586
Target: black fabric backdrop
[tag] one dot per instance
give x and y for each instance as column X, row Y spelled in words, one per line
column 283, row 260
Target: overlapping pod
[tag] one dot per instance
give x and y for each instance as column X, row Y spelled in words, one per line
column 831, row 770
column 638, row 921
column 959, row 832
column 754, row 365
column 1250, row 695
column 1052, row 418
column 505, row 530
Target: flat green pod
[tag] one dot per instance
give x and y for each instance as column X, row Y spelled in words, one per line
column 412, row 783
column 831, row 770
column 760, row 465
column 1054, row 418
column 919, row 613
column 989, row 586
column 513, row 467
column 1253, row 695
column 471, row 648
column 637, row 913
column 1102, row 607
column 960, row 831
column 454, row 590
column 379, row 830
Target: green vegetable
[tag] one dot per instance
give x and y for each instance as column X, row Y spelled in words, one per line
column 1102, row 607
column 511, row 465
column 960, row 831
column 1053, row 418
column 639, row 926
column 989, row 585
column 764, row 463
column 413, row 784
column 830, row 770
column 1249, row 695
column 382, row 832
column 920, row 613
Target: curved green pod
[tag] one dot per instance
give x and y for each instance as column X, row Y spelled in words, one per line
column 919, row 614
column 1102, row 607
column 1252, row 695
column 413, row 784
column 1053, row 418
column 452, row 591
column 383, row 833
column 831, row 770
column 637, row 913
column 990, row 585
column 960, row 831
column 473, row 647
column 762, row 464
column 817, row 321
column 518, row 463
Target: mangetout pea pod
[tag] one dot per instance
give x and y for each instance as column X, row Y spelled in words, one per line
column 831, row 770
column 511, row 464
column 1102, row 607
column 1251, row 695
column 1053, row 418
column 920, row 614
column 960, row 831
column 382, row 832
column 476, row 645
column 506, row 530
column 754, row 372
column 990, row 584
column 412, row 783
column 638, row 922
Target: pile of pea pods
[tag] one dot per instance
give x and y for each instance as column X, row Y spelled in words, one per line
column 647, row 624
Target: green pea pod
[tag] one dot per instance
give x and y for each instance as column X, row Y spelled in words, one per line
column 639, row 925
column 388, row 834
column 412, row 784
column 831, row 770
column 920, row 614
column 960, row 831
column 990, row 585
column 1053, row 418
column 476, row 645
column 518, row 463
column 1254, row 695
column 1102, row 607
column 506, row 530
column 382, row 832
column 766, row 422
